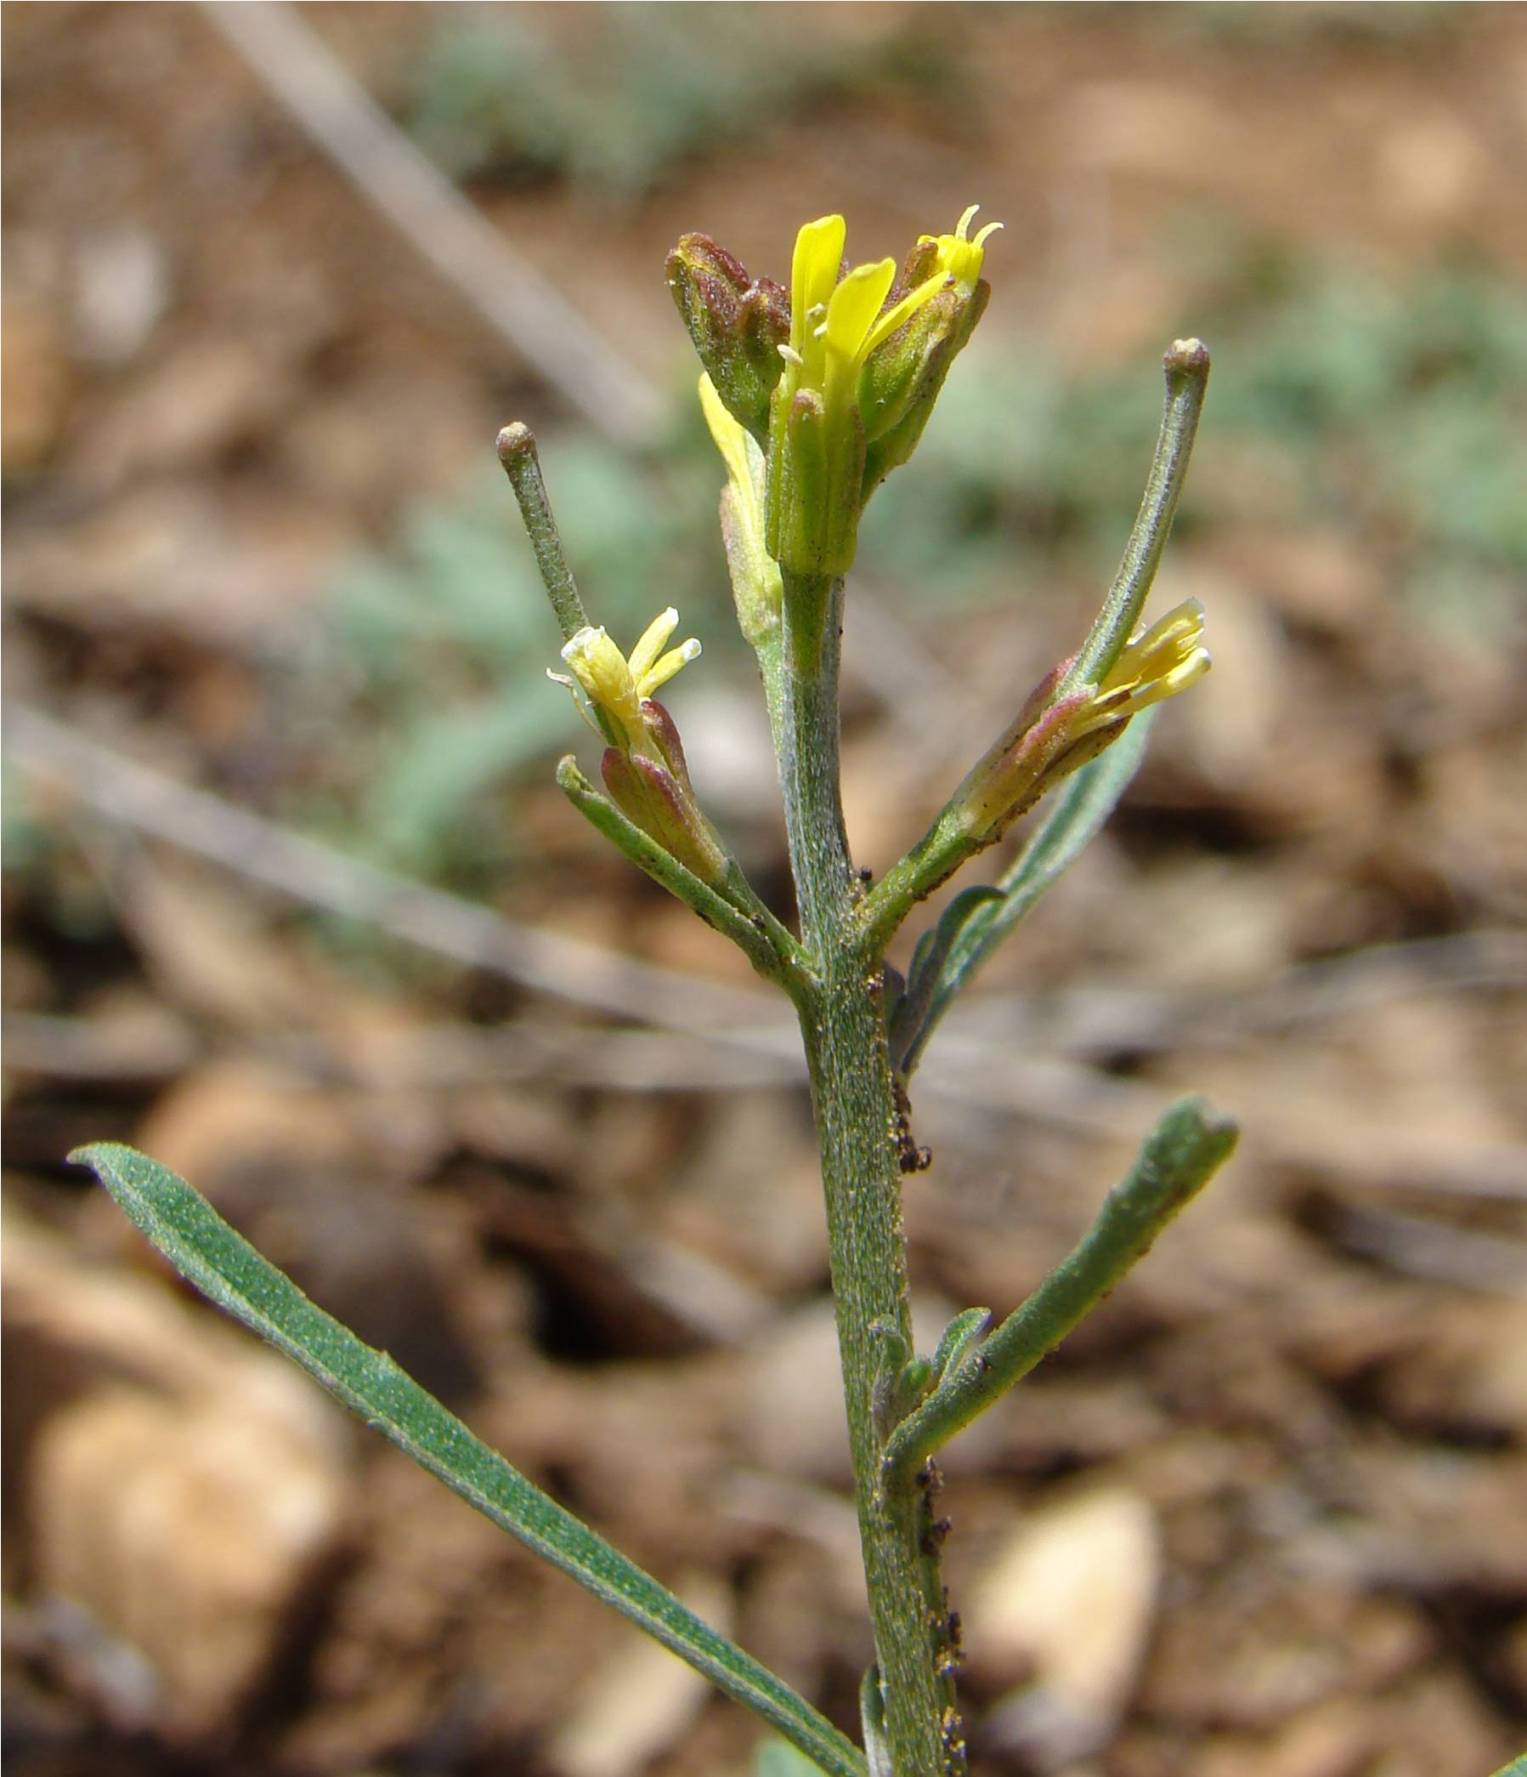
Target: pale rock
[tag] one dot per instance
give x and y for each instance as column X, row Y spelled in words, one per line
column 1068, row 1605
column 122, row 287
column 183, row 1486
column 792, row 1405
column 642, row 1701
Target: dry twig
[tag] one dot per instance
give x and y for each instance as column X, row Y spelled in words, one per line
column 526, row 311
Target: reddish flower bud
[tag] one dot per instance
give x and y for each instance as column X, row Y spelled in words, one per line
column 737, row 324
column 650, row 796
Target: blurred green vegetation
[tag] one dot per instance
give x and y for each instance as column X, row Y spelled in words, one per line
column 1295, row 26
column 431, row 658
column 618, row 100
column 1396, row 412
column 1392, row 413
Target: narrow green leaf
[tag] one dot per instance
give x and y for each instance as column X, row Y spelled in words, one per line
column 1076, row 817
column 959, row 1336
column 1517, row 1767
column 1175, row 1162
column 225, row 1268
column 929, row 961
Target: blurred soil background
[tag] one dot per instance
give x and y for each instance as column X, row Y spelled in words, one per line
column 291, row 902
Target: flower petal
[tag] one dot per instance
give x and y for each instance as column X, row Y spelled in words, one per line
column 657, row 676
column 902, row 312
column 653, row 641
column 601, row 670
column 730, row 437
column 855, row 304
column 814, row 272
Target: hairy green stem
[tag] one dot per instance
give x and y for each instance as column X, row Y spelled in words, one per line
column 522, row 464
column 730, row 907
column 941, row 851
column 1177, row 1160
column 859, row 1127
column 1186, row 368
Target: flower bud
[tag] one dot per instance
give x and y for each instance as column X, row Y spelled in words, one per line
column 656, row 795
column 737, row 324
column 1011, row 776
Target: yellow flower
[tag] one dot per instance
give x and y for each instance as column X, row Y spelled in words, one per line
column 1157, row 663
column 643, row 765
column 840, row 394
column 834, row 326
column 615, row 686
column 959, row 258
column 1057, row 732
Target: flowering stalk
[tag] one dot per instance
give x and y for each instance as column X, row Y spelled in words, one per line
column 865, row 1152
column 812, row 399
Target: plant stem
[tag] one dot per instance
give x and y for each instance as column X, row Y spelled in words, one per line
column 1186, row 368
column 731, row 908
column 858, row 1129
column 522, row 464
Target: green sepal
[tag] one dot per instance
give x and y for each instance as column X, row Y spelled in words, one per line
column 648, row 795
column 757, row 591
column 902, row 380
column 816, row 473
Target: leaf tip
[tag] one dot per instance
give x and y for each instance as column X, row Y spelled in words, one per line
column 1196, row 1124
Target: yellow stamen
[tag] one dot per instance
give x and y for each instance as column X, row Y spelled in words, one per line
column 657, row 676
